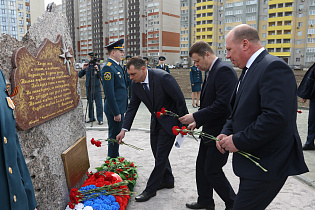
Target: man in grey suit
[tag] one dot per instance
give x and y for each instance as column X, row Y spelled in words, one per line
column 262, row 122
column 156, row 89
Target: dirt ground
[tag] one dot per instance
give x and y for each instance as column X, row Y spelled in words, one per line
column 182, row 77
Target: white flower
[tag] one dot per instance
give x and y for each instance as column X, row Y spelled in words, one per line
column 68, row 208
column 88, row 208
column 79, row 206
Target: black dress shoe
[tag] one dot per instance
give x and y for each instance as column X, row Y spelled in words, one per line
column 145, row 196
column 90, row 121
column 196, row 205
column 100, row 122
column 308, row 147
column 165, row 186
column 228, row 208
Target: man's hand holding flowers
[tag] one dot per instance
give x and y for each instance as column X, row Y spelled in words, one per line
column 192, row 126
column 187, row 119
column 226, row 143
column 121, row 135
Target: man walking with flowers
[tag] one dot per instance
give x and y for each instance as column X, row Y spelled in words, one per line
column 214, row 110
column 262, row 122
column 156, row 89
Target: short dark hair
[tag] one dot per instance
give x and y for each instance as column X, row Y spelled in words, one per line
column 246, row 32
column 137, row 61
column 201, row 48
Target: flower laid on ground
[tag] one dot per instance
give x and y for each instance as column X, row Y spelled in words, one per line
column 185, row 131
column 98, row 143
column 102, row 190
column 166, row 112
column 127, row 170
column 299, row 111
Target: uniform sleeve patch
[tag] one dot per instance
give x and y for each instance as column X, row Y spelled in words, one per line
column 107, row 76
column 109, row 64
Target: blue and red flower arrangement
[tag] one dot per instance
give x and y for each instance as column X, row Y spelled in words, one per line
column 107, row 189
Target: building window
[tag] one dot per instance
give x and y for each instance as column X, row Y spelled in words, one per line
column 297, row 60
column 299, row 33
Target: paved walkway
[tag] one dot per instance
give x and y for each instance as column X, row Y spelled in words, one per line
column 298, row 192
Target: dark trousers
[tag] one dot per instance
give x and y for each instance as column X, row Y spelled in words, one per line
column 311, row 124
column 255, row 194
column 210, row 176
column 161, row 145
column 114, row 129
column 95, row 95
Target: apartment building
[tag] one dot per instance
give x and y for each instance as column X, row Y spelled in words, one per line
column 115, row 23
column 16, row 16
column 187, row 30
column 285, row 27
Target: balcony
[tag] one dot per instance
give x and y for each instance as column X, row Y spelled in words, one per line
column 280, row 36
column 281, row 45
column 281, row 54
column 204, row 3
column 204, row 26
column 204, row 18
column 204, row 11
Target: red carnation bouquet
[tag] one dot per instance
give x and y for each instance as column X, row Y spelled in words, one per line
column 185, row 131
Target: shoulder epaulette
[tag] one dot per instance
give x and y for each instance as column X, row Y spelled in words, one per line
column 166, row 64
column 108, row 64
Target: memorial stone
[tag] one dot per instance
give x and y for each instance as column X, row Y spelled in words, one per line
column 44, row 141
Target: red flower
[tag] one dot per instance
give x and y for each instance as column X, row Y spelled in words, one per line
column 71, row 205
column 158, row 114
column 107, row 161
column 92, row 141
column 299, row 111
column 184, row 131
column 175, row 130
column 132, row 165
column 98, row 143
column 163, row 111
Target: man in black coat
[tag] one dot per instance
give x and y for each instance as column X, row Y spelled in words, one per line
column 156, row 89
column 214, row 110
column 262, row 122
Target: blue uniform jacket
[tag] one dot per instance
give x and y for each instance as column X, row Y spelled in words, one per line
column 114, row 85
column 195, row 75
column 16, row 191
column 88, row 72
column 165, row 68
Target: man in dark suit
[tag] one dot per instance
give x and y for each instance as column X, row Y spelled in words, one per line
column 162, row 64
column 262, row 122
column 156, row 89
column 93, row 88
column 16, row 185
column 214, row 110
column 114, row 85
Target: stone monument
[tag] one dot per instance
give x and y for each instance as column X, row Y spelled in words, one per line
column 48, row 124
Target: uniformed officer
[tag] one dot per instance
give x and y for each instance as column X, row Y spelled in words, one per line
column 128, row 80
column 146, row 59
column 162, row 64
column 16, row 191
column 195, row 81
column 114, row 85
column 93, row 87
